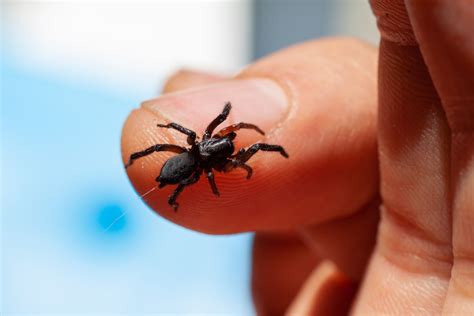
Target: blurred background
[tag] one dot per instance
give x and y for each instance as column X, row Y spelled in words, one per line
column 75, row 237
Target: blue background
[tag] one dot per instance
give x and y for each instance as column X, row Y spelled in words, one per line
column 75, row 237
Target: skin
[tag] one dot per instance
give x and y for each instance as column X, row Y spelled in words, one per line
column 423, row 122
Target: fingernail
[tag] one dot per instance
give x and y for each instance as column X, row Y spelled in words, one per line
column 258, row 101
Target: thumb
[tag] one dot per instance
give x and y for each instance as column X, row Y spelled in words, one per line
column 317, row 100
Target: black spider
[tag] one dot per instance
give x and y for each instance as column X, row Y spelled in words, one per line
column 213, row 152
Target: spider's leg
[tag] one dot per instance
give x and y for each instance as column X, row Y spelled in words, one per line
column 234, row 163
column 241, row 151
column 212, row 181
column 152, row 149
column 247, row 168
column 172, row 198
column 191, row 180
column 218, row 120
column 191, row 134
column 252, row 150
column 236, row 127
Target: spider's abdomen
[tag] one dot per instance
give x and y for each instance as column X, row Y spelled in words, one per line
column 177, row 168
column 215, row 150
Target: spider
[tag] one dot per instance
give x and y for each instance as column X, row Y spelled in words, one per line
column 214, row 152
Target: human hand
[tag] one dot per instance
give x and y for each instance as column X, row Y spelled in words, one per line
column 325, row 186
column 321, row 106
column 423, row 262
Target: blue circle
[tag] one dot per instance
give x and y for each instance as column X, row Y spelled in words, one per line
column 111, row 218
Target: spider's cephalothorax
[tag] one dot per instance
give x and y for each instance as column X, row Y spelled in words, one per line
column 214, row 152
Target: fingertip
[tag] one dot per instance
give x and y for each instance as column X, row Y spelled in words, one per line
column 199, row 208
column 140, row 132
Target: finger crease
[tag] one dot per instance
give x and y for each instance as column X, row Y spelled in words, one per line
column 415, row 249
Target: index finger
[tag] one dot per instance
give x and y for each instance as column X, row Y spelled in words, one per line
column 317, row 100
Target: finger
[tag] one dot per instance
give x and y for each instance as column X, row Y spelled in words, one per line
column 445, row 32
column 410, row 269
column 347, row 242
column 186, row 79
column 330, row 137
column 280, row 264
column 326, row 292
